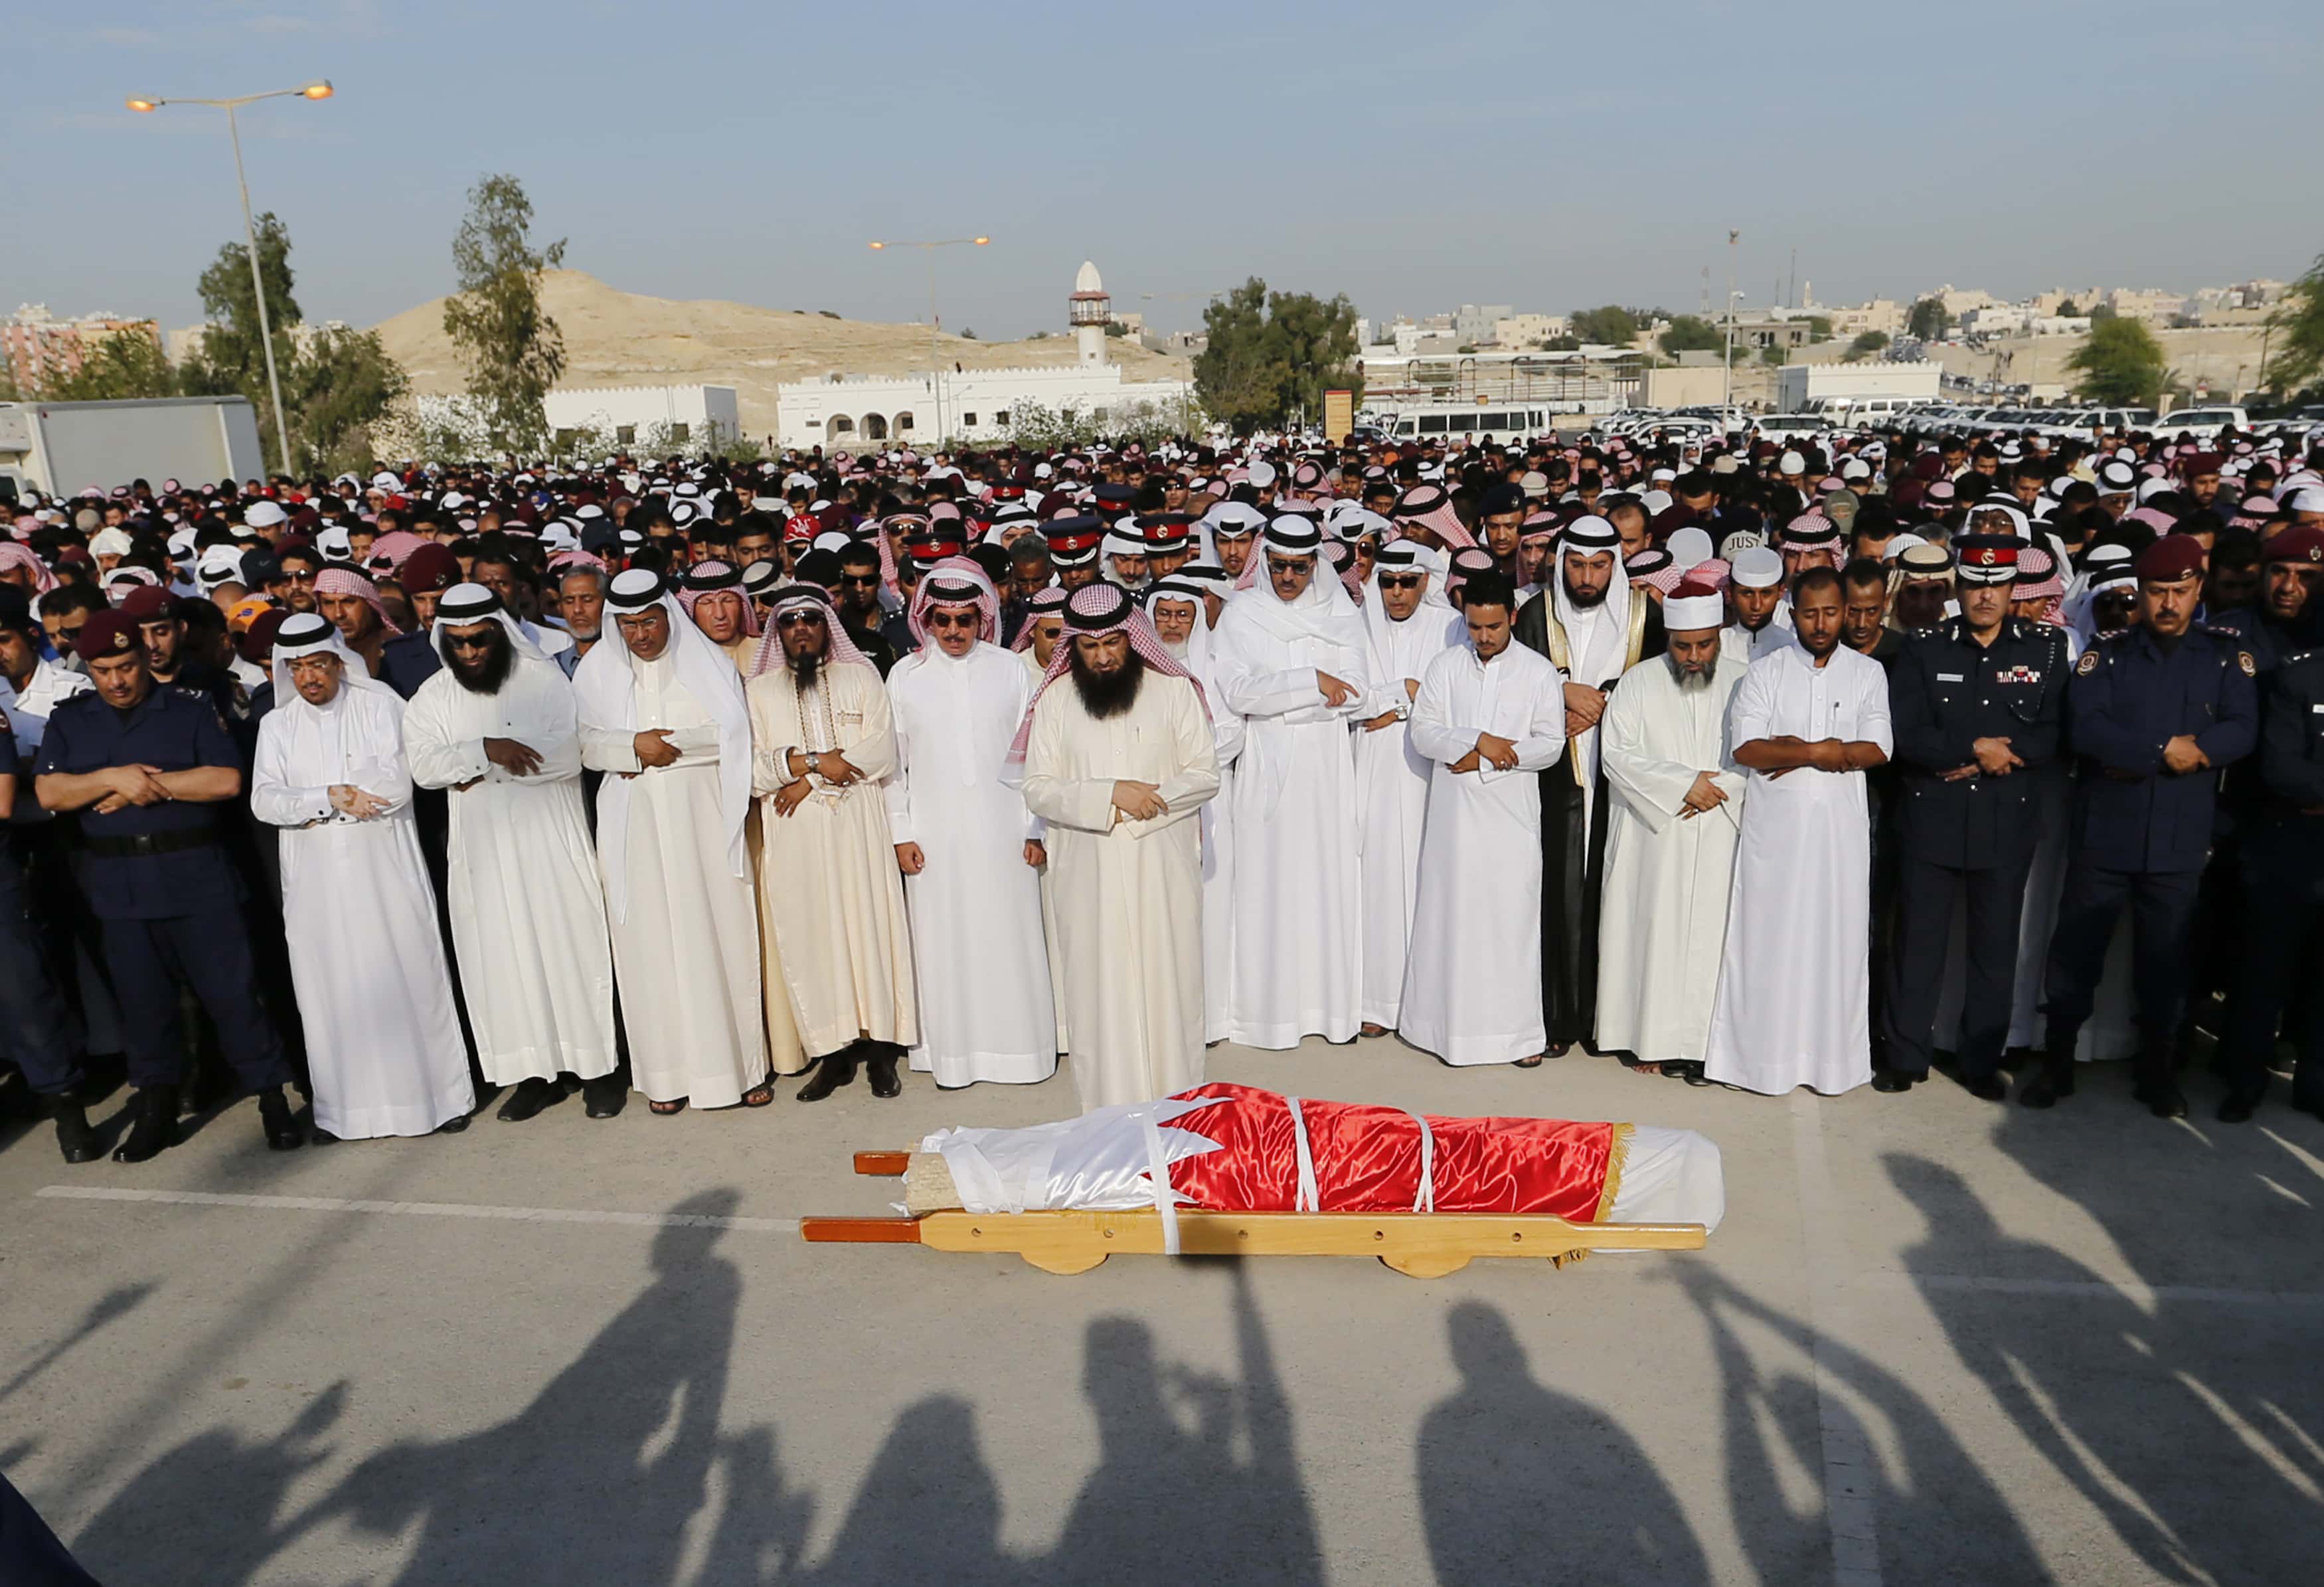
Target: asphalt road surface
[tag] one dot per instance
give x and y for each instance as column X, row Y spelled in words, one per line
column 1936, row 1342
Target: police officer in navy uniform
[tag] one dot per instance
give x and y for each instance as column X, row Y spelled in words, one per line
column 152, row 771
column 1977, row 704
column 2291, row 566
column 2282, row 895
column 38, row 1028
column 2154, row 712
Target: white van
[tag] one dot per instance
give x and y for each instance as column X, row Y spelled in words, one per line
column 1509, row 422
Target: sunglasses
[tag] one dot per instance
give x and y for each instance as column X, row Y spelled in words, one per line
column 799, row 619
column 469, row 642
column 954, row 620
column 1402, row 581
column 860, row 581
column 1281, row 567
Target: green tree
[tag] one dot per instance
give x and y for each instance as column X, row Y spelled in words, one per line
column 1612, row 325
column 2119, row 362
column 1819, row 327
column 1928, row 321
column 1272, row 354
column 2298, row 322
column 1691, row 332
column 125, row 364
column 339, row 386
column 2101, row 312
column 512, row 349
column 1867, row 344
column 2069, row 310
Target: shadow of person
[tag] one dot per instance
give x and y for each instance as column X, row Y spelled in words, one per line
column 2200, row 1482
column 1518, row 1482
column 598, row 1476
column 216, row 1499
column 1171, row 1502
column 928, row 1509
column 108, row 1308
column 761, row 1534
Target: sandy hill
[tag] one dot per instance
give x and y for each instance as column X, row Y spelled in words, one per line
column 617, row 338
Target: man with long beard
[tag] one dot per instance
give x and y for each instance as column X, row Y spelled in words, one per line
column 1117, row 764
column 1674, row 812
column 497, row 729
column 830, row 894
column 1591, row 624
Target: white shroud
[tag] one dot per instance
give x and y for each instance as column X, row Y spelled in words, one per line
column 1128, row 894
column 1472, row 983
column 1794, row 974
column 986, row 1013
column 1663, row 919
column 528, row 910
column 374, row 991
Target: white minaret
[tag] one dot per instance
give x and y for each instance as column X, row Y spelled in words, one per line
column 1089, row 309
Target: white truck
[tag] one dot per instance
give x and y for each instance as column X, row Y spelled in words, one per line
column 60, row 448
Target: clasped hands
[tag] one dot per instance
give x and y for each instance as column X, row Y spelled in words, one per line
column 829, row 764
column 1492, row 750
column 1824, row 754
column 131, row 784
column 349, row 799
column 1994, row 758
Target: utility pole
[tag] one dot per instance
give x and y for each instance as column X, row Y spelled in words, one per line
column 1726, row 382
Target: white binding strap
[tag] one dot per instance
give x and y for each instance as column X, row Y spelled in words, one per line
column 1157, row 1171
column 1309, row 1199
column 1425, row 1200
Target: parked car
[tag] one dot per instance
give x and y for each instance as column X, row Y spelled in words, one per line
column 2203, row 423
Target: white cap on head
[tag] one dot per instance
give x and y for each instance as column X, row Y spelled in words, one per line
column 264, row 514
column 1791, row 463
column 1690, row 614
column 1757, row 568
column 1689, row 547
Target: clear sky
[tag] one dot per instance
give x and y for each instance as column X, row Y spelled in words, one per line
column 1547, row 155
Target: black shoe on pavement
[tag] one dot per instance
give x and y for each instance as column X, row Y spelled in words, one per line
column 529, row 1098
column 832, row 1071
column 283, row 1130
column 152, row 1124
column 75, row 1139
column 2163, row 1099
column 2238, row 1109
column 1990, row 1088
column 1893, row 1081
column 319, row 1136
column 880, row 1068
column 605, row 1095
column 455, row 1124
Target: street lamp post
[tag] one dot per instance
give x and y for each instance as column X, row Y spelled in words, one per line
column 313, row 90
column 936, row 377
column 1727, row 383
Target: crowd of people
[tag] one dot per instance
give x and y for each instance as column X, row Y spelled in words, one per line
column 1762, row 764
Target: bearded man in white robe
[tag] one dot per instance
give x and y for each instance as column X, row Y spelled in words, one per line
column 498, row 728
column 662, row 711
column 1407, row 624
column 970, row 852
column 1795, row 975
column 830, row 893
column 1176, row 608
column 383, row 1042
column 1489, row 717
column 1675, row 812
column 1118, row 757
column 1594, row 628
column 1291, row 664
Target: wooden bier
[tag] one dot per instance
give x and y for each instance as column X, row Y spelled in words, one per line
column 1421, row 1245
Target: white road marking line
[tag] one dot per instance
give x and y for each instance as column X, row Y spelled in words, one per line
column 1851, row 1474
column 415, row 1209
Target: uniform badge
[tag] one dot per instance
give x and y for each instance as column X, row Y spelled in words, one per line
column 2087, row 664
column 2022, row 675
column 2244, row 661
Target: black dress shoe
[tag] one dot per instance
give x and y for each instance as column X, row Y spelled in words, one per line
column 75, row 1139
column 455, row 1124
column 880, row 1068
column 831, row 1073
column 2238, row 1109
column 2163, row 1099
column 153, row 1126
column 1988, row 1088
column 319, row 1136
column 529, row 1098
column 1892, row 1080
column 606, row 1096
column 282, row 1132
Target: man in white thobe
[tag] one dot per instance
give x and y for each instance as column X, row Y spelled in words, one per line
column 1763, row 618
column 1489, row 717
column 383, row 1045
column 1807, row 721
column 969, row 849
column 498, row 726
column 827, row 867
column 1118, row 758
column 1407, row 624
column 1676, row 809
column 1291, row 664
column 1176, row 607
column 662, row 711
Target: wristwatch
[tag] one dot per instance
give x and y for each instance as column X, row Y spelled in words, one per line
column 814, row 762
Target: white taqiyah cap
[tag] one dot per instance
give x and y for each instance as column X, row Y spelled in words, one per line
column 1757, row 568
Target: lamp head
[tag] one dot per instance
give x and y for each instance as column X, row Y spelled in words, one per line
column 318, row 90
column 877, row 246
column 142, row 106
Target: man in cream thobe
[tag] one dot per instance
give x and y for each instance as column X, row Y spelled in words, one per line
column 383, row 1043
column 1676, row 808
column 821, row 723
column 1489, row 717
column 498, row 726
column 662, row 711
column 1119, row 793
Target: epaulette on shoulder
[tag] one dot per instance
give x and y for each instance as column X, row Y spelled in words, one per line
column 2297, row 656
column 186, row 691
column 80, row 702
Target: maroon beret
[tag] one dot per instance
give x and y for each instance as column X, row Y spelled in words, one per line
column 429, row 567
column 2173, row 558
column 146, row 604
column 108, row 633
column 257, row 643
column 2302, row 542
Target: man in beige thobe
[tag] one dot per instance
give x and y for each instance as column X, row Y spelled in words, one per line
column 830, row 890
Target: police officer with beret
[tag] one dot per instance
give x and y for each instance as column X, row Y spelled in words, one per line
column 2154, row 712
column 2282, row 894
column 149, row 766
column 2291, row 566
column 1977, row 704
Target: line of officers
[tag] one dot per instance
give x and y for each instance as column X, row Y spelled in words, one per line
column 1999, row 739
